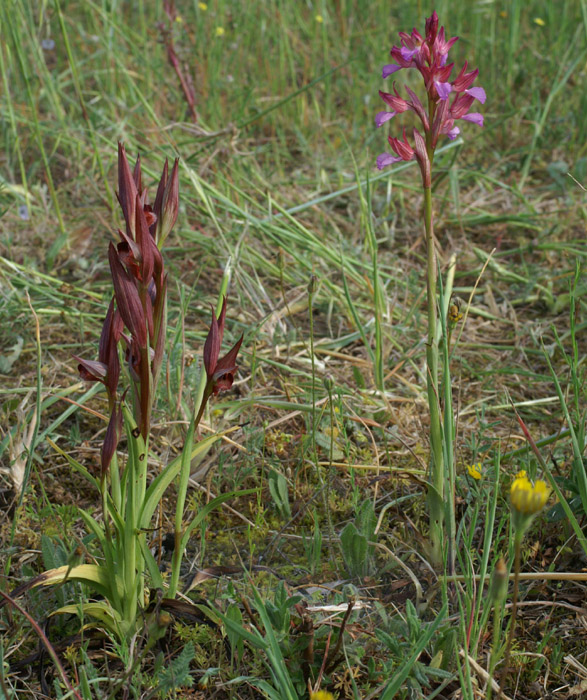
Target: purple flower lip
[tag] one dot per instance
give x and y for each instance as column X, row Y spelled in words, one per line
column 408, row 54
column 478, row 93
column 382, row 117
column 386, row 159
column 474, row 117
column 443, row 90
column 389, row 69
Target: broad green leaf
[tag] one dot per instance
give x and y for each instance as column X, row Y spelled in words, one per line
column 152, row 567
column 96, row 576
column 239, row 631
column 99, row 610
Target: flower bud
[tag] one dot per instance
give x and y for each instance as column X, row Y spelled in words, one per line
column 499, row 582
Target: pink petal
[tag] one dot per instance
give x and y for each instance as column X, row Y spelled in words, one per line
column 408, row 54
column 474, row 117
column 443, row 90
column 386, row 159
column 389, row 69
column 478, row 93
column 383, row 117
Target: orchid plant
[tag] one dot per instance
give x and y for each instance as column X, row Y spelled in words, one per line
column 447, row 101
column 135, row 328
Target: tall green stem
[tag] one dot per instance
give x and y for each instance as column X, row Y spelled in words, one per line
column 183, row 489
column 436, row 487
column 517, row 557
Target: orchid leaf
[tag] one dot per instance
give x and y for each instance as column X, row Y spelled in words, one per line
column 99, row 610
column 152, row 567
column 94, row 575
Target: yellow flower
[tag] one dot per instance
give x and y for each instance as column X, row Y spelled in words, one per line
column 203, row 6
column 539, row 21
column 219, row 31
column 179, row 19
column 526, row 498
column 320, row 19
column 521, row 474
column 475, row 471
column 454, row 310
column 322, row 695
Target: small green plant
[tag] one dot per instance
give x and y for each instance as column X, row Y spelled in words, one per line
column 356, row 539
column 279, row 492
column 313, row 545
column 405, row 639
column 275, row 621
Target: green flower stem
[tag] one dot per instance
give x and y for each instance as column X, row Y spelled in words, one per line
column 110, row 547
column 436, row 489
column 203, row 393
column 130, row 548
column 133, row 567
column 517, row 556
column 184, row 477
column 114, row 476
column 448, row 423
column 139, row 533
column 494, row 647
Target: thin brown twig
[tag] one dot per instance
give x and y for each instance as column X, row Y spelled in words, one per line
column 323, row 666
column 44, row 639
column 332, row 657
column 167, row 34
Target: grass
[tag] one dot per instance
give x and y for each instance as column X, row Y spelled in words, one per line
column 278, row 188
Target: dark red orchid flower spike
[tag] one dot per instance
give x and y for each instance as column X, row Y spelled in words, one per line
column 139, row 305
column 220, row 372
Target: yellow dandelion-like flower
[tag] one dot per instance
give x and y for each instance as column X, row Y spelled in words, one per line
column 526, row 498
column 475, row 471
column 521, row 474
column 320, row 19
column 322, row 695
column 203, row 6
column 539, row 21
column 179, row 19
column 219, row 31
